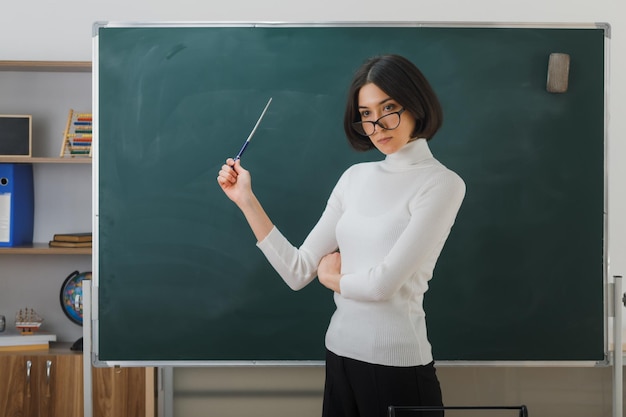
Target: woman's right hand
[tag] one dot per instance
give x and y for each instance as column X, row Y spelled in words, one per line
column 235, row 181
column 237, row 185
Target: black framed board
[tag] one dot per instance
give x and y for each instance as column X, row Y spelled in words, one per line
column 15, row 135
column 179, row 278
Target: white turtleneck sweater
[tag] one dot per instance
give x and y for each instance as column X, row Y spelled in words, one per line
column 390, row 220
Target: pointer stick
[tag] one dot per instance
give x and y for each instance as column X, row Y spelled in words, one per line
column 245, row 144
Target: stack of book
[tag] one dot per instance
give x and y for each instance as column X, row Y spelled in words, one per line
column 12, row 340
column 72, row 240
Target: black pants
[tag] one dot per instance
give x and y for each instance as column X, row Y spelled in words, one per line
column 360, row 389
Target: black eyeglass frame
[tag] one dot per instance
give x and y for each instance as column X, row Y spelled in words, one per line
column 358, row 126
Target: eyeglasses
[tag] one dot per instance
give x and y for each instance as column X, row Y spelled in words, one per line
column 387, row 122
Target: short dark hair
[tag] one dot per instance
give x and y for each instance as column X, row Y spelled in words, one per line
column 405, row 83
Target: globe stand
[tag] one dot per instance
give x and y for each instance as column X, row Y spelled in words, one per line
column 78, row 345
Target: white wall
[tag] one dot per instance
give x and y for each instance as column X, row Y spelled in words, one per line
column 62, row 30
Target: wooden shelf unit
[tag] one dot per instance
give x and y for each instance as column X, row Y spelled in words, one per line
column 116, row 392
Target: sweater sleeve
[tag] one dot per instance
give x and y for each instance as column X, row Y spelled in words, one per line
column 298, row 266
column 433, row 211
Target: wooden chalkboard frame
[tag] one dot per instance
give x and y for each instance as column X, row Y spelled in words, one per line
column 600, row 349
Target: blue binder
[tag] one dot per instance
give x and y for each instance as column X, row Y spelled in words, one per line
column 17, row 204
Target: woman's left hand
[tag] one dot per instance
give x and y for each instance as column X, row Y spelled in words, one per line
column 329, row 271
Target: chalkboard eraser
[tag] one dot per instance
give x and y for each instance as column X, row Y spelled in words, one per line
column 558, row 73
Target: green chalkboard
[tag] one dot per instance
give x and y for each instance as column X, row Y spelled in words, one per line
column 179, row 277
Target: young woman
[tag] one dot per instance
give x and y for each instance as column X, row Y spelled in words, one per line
column 389, row 219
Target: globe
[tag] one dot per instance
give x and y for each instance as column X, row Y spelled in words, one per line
column 72, row 296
